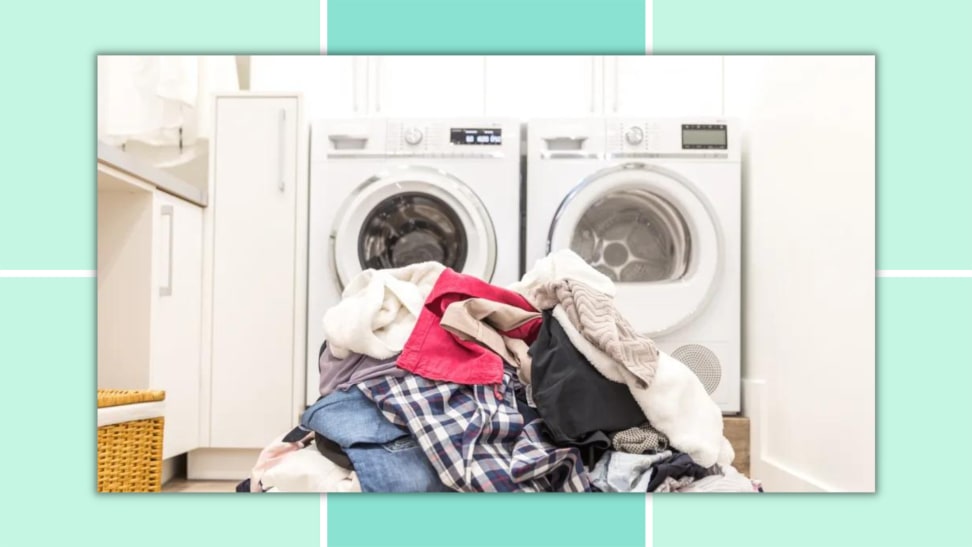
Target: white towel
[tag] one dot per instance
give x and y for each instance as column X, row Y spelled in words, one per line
column 563, row 264
column 675, row 402
column 378, row 310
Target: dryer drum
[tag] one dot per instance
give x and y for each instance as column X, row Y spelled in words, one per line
column 634, row 235
column 412, row 227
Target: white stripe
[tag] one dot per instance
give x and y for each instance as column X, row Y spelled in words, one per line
column 649, row 41
column 323, row 520
column 924, row 273
column 649, row 518
column 323, row 31
column 46, row 273
column 649, row 25
column 323, row 26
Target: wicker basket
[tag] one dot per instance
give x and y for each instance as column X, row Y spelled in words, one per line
column 130, row 452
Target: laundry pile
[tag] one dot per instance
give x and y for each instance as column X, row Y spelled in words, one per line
column 436, row 381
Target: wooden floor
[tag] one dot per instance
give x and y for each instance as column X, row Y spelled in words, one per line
column 736, row 430
column 184, row 486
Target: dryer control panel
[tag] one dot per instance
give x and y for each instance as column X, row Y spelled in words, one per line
column 697, row 138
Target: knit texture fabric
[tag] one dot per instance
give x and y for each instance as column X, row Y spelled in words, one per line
column 643, row 439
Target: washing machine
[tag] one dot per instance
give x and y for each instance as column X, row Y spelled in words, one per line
column 385, row 193
column 654, row 204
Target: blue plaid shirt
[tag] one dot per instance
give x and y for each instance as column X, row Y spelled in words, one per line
column 475, row 437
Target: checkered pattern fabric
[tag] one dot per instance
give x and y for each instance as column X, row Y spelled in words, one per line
column 475, row 437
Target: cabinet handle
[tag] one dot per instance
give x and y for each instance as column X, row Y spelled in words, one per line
column 593, row 80
column 377, row 85
column 617, row 80
column 280, row 143
column 354, row 82
column 167, row 211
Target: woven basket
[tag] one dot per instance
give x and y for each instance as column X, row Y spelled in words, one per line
column 130, row 453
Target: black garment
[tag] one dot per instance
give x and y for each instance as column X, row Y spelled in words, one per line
column 332, row 451
column 572, row 397
column 244, row 487
column 677, row 466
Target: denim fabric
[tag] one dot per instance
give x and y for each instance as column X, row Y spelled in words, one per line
column 385, row 456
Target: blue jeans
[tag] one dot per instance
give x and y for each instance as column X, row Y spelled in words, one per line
column 386, row 457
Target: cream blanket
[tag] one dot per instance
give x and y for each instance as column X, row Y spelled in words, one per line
column 378, row 310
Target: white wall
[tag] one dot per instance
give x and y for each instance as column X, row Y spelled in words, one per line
column 809, row 264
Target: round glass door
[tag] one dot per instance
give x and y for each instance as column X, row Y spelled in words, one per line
column 412, row 215
column 652, row 233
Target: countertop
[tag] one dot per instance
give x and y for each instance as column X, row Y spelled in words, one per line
column 167, row 182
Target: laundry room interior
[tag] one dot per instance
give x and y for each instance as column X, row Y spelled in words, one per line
column 339, row 273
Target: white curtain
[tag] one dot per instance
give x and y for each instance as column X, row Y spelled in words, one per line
column 160, row 106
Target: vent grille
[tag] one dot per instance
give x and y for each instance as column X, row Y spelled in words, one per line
column 703, row 362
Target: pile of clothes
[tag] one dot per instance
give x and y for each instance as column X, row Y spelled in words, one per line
column 436, row 381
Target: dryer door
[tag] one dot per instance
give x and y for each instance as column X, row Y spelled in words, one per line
column 653, row 233
column 411, row 215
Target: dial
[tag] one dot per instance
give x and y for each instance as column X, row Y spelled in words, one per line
column 413, row 135
column 634, row 135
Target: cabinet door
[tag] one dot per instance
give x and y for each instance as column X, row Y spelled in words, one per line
column 254, row 258
column 543, row 86
column 176, row 332
column 665, row 86
column 428, row 86
column 331, row 85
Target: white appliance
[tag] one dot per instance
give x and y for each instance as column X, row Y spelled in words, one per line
column 386, row 193
column 654, row 204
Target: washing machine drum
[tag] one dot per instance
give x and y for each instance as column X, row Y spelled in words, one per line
column 409, row 228
column 412, row 215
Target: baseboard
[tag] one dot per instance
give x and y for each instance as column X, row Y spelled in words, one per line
column 221, row 464
column 775, row 475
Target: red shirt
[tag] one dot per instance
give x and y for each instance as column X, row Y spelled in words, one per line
column 436, row 354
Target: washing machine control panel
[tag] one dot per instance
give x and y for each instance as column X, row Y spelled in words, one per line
column 445, row 140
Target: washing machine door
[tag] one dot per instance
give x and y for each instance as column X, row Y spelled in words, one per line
column 410, row 215
column 653, row 233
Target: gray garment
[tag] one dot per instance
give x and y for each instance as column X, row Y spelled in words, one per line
column 643, row 439
column 622, row 472
column 341, row 374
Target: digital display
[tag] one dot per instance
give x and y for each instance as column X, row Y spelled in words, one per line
column 476, row 136
column 704, row 136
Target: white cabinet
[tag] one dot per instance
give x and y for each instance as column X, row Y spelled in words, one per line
column 664, row 85
column 331, row 86
column 258, row 256
column 432, row 86
column 150, row 298
column 529, row 86
column 176, row 330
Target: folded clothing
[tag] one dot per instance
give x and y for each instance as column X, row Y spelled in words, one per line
column 475, row 437
column 573, row 398
column 378, row 310
column 385, row 456
column 436, row 354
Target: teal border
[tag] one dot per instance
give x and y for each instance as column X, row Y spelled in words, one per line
column 480, row 26
column 47, row 221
